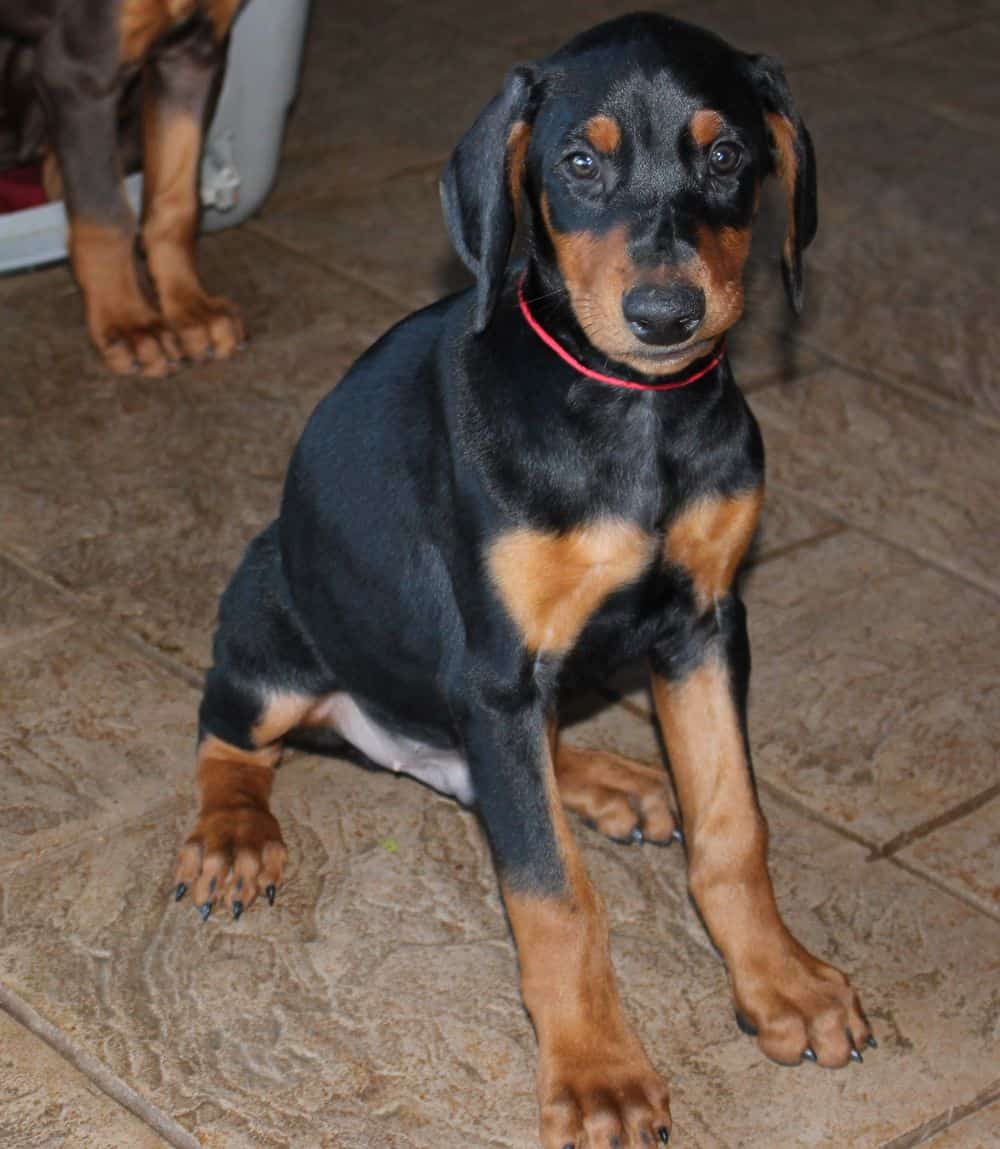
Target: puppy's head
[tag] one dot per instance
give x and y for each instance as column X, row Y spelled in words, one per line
column 636, row 155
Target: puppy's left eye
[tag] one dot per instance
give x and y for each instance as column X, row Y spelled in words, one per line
column 725, row 158
column 582, row 166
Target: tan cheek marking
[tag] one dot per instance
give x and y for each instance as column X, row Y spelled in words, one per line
column 784, row 135
column 705, row 126
column 597, row 272
column 710, row 539
column 603, row 133
column 551, row 584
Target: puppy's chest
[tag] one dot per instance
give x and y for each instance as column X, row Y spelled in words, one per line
column 552, row 584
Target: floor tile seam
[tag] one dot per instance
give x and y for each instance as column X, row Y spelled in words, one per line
column 924, row 558
column 116, row 629
column 99, row 1074
column 956, row 813
column 14, row 644
column 946, row 1120
column 888, row 45
column 336, row 270
column 931, row 879
column 871, row 373
column 90, row 830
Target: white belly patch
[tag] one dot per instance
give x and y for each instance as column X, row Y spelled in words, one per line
column 445, row 770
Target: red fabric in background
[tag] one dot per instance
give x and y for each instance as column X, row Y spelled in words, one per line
column 21, row 188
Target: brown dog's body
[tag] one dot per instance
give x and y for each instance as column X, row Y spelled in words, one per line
column 74, row 61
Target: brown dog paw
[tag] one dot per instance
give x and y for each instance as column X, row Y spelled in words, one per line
column 603, row 1099
column 233, row 856
column 628, row 801
column 208, row 327
column 800, row 1008
column 136, row 344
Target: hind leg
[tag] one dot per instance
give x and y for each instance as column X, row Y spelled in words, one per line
column 265, row 680
column 627, row 800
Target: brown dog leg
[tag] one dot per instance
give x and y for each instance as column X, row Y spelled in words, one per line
column 178, row 86
column 797, row 1005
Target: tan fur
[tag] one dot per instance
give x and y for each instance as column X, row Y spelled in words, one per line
column 603, row 133
column 709, row 540
column 705, row 126
column 517, row 154
column 551, row 584
column 783, row 135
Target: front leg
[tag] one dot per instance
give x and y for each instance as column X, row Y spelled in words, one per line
column 81, row 98
column 798, row 1006
column 178, row 83
column 596, row 1086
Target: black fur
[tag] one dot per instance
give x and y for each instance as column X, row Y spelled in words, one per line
column 460, row 425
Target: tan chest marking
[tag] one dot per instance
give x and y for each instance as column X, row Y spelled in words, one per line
column 709, row 540
column 551, row 584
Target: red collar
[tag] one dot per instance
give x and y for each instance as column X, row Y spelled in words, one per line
column 575, row 363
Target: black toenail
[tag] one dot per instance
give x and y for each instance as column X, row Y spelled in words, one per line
column 636, row 835
column 205, row 909
column 855, row 1056
column 237, row 909
column 871, row 1042
column 809, row 1053
column 663, row 1133
column 678, row 836
column 180, row 891
column 745, row 1026
column 211, row 886
column 270, row 891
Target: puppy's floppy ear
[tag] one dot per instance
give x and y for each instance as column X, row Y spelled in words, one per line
column 480, row 185
column 794, row 164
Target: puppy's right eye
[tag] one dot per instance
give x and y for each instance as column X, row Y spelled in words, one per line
column 582, row 166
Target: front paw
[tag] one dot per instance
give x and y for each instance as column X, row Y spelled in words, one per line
column 135, row 341
column 234, row 855
column 599, row 1095
column 208, row 327
column 800, row 1008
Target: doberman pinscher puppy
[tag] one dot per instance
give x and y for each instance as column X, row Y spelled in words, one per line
column 79, row 58
column 536, row 480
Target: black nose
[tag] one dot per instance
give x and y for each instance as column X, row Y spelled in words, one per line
column 664, row 315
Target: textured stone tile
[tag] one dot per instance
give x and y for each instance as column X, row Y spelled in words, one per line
column 965, row 855
column 979, row 1131
column 90, row 733
column 808, row 34
column 872, row 699
column 45, row 1101
column 27, row 610
column 844, row 712
column 391, row 236
column 891, row 463
column 955, row 75
column 141, row 495
column 376, row 1003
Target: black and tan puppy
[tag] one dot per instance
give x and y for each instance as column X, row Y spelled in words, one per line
column 74, row 62
column 534, row 481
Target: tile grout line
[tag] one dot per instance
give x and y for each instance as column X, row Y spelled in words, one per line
column 117, row 630
column 333, row 269
column 914, row 390
column 921, row 557
column 97, row 1072
column 940, row 884
column 954, row 814
column 943, row 1121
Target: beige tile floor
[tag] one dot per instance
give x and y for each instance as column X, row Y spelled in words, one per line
column 376, row 1005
